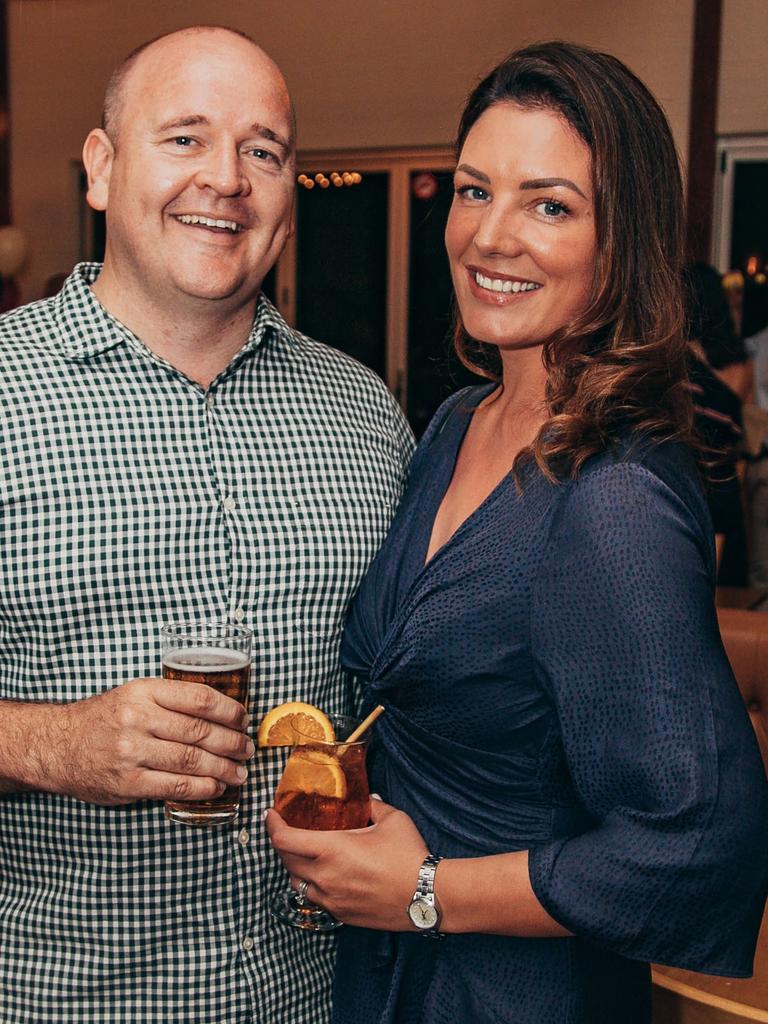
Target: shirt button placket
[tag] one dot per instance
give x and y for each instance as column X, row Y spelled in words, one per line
column 229, row 504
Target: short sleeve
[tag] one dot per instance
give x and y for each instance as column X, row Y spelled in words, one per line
column 404, row 439
column 657, row 740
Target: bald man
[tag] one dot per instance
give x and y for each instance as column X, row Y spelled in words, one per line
column 171, row 451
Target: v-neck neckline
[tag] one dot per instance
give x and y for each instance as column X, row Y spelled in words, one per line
column 441, row 489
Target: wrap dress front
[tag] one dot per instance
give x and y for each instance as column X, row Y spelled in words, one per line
column 555, row 681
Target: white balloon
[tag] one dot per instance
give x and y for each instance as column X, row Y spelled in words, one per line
column 13, row 250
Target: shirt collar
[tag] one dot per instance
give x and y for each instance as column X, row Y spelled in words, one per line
column 86, row 329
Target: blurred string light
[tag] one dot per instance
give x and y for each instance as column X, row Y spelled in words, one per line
column 755, row 271
column 337, row 178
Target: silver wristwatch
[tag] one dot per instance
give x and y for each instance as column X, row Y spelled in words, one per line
column 423, row 910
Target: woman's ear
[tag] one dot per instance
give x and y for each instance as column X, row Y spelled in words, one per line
column 98, row 156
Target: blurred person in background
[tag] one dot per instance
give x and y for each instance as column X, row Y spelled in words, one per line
column 756, row 340
column 755, row 321
column 718, row 414
column 716, row 332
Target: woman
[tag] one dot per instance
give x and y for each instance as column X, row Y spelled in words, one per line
column 562, row 725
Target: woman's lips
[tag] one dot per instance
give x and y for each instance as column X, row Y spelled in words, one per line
column 499, row 289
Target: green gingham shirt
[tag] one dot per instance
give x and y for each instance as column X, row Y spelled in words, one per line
column 130, row 497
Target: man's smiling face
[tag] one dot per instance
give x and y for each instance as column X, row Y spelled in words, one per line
column 199, row 185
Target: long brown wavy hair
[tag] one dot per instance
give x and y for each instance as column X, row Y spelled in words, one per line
column 620, row 366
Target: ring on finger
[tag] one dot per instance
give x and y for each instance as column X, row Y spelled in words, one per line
column 301, row 892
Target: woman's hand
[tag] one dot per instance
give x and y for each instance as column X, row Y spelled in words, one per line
column 364, row 877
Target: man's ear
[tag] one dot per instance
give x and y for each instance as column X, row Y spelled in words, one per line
column 98, row 156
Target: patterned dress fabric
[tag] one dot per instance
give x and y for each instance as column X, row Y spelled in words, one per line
column 555, row 681
column 131, row 497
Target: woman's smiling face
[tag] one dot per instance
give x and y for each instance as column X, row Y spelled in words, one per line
column 521, row 234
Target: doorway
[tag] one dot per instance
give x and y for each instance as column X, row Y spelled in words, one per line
column 367, row 270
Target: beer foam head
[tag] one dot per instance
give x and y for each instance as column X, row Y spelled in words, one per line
column 205, row 659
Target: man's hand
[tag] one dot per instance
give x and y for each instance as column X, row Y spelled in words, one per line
column 146, row 739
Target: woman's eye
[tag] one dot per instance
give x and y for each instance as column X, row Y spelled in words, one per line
column 473, row 192
column 552, row 208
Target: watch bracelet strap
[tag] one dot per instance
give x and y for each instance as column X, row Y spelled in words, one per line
column 426, row 880
column 425, row 886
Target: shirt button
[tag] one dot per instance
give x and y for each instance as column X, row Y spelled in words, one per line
column 229, row 504
column 247, row 943
column 239, row 614
column 243, row 836
column 210, row 401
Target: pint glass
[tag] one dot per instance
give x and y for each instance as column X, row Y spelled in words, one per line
column 220, row 657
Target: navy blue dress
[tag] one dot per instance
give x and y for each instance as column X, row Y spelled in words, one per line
column 555, row 681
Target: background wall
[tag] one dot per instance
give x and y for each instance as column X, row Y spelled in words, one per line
column 743, row 102
column 377, row 74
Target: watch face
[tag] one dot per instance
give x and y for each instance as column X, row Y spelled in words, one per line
column 423, row 914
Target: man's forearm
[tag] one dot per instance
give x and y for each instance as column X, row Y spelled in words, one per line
column 28, row 736
column 141, row 740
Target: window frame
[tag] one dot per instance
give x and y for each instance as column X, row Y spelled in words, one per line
column 731, row 149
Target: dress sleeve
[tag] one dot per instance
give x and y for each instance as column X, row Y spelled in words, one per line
column 656, row 737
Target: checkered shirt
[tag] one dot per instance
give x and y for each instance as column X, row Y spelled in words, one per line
column 130, row 497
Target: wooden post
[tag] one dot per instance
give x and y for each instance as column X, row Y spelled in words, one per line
column 705, row 76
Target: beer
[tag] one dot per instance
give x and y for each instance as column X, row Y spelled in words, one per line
column 188, row 657
column 224, row 670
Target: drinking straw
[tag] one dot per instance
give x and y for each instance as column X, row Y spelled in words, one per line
column 365, row 724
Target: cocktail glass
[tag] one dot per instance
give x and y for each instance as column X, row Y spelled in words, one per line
column 324, row 787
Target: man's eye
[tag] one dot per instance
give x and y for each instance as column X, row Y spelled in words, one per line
column 183, row 140
column 264, row 155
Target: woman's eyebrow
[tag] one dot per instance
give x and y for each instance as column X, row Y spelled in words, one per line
column 552, row 183
column 474, row 173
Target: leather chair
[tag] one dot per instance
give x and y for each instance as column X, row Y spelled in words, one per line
column 745, row 635
column 683, row 997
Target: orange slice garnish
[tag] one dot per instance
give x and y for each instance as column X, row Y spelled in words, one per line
column 293, row 723
column 313, row 771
